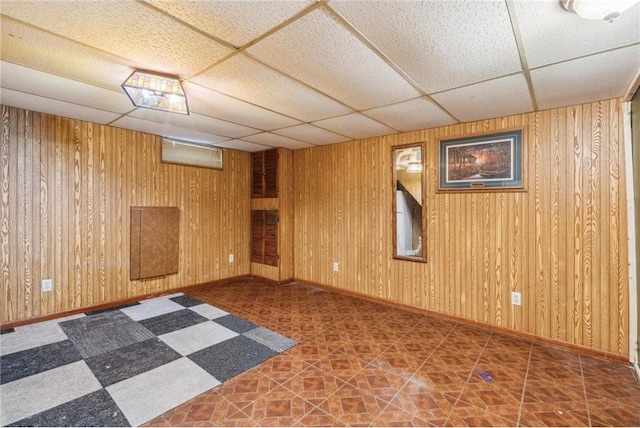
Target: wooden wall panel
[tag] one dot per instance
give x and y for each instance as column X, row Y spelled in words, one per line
column 562, row 243
column 67, row 186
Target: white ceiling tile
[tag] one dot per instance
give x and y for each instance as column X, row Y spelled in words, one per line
column 197, row 121
column 244, row 146
column 34, row 48
column 322, row 53
column 211, row 103
column 494, row 98
column 127, row 29
column 251, row 81
column 12, row 98
column 419, row 113
column 551, row 34
column 227, row 20
column 31, row 81
column 168, row 130
column 312, row 134
column 440, row 44
column 565, row 83
column 356, row 126
column 274, row 140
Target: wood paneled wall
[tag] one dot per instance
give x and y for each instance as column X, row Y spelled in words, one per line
column 67, row 186
column 562, row 243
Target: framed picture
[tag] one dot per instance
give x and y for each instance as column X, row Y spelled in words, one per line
column 491, row 162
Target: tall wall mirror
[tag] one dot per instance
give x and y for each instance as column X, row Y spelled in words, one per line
column 408, row 186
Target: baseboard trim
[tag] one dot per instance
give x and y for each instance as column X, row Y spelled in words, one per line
column 485, row 326
column 271, row 281
column 102, row 306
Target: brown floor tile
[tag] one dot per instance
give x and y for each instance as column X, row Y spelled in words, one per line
column 362, row 363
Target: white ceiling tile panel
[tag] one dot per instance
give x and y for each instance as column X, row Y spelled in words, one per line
column 356, row 126
column 34, row 48
column 564, row 84
column 321, row 52
column 440, row 44
column 167, row 130
column 246, row 79
column 123, row 28
column 419, row 113
column 227, row 20
column 28, row 80
column 203, row 123
column 211, row 103
column 551, row 34
column 244, row 146
column 312, row 134
column 12, row 98
column 273, row 140
column 500, row 97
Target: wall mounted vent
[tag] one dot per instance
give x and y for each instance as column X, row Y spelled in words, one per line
column 185, row 153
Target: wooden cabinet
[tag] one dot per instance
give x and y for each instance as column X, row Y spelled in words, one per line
column 264, row 176
column 154, row 250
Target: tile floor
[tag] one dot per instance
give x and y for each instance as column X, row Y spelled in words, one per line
column 126, row 365
column 362, row 363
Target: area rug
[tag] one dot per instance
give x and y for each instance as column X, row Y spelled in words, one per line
column 126, row 365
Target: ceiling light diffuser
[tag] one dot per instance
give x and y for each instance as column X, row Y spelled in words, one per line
column 607, row 10
column 155, row 91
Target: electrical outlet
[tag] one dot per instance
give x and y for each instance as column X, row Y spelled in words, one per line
column 47, row 285
column 516, row 298
column 336, row 266
column 230, row 258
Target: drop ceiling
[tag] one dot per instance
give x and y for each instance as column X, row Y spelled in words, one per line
column 296, row 74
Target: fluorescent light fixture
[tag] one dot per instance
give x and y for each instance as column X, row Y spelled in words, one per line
column 156, row 91
column 414, row 166
column 607, row 10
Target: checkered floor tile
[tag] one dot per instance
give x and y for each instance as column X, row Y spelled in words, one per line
column 126, row 365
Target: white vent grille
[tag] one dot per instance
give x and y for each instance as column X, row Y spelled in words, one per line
column 184, row 153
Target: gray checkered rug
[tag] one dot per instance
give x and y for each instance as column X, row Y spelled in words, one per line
column 126, row 365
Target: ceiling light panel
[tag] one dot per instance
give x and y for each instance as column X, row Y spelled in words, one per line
column 312, row 134
column 253, row 82
column 494, row 98
column 12, row 98
column 437, row 43
column 37, row 49
column 126, row 29
column 321, row 52
column 356, row 126
column 168, row 130
column 196, row 121
column 227, row 20
column 551, row 34
column 32, row 81
column 584, row 73
column 419, row 113
column 273, row 140
column 215, row 104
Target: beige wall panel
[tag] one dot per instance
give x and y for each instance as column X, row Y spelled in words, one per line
column 561, row 243
column 67, row 186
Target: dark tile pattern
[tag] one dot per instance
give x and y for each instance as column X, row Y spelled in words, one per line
column 124, row 355
column 235, row 323
column 172, row 321
column 361, row 363
column 186, row 301
column 37, row 360
column 123, row 363
column 231, row 357
column 92, row 410
column 113, row 308
column 7, row 330
column 104, row 332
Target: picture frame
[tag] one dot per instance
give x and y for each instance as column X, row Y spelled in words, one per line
column 487, row 162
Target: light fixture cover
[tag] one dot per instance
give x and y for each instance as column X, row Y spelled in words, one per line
column 156, row 91
column 607, row 10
